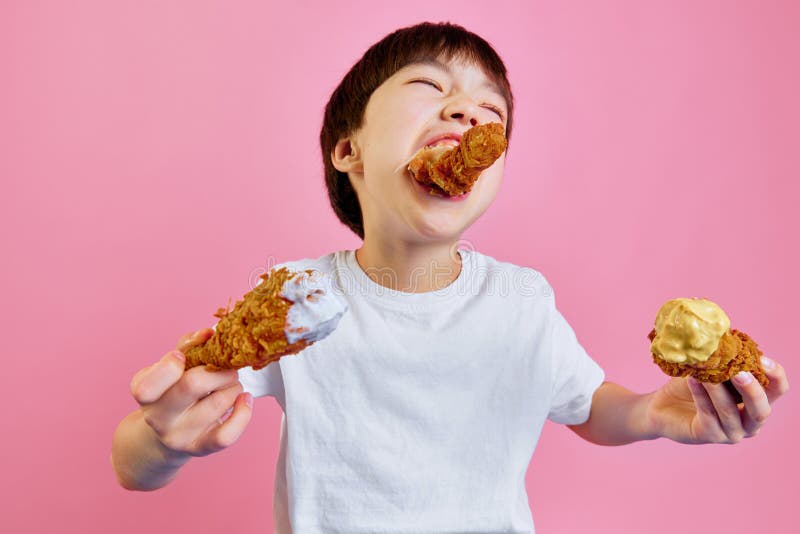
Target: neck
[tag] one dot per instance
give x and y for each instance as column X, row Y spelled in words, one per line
column 410, row 267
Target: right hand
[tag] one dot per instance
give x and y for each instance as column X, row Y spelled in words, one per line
column 195, row 412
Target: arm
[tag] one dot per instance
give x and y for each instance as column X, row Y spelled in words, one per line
column 683, row 410
column 139, row 459
column 618, row 416
column 181, row 415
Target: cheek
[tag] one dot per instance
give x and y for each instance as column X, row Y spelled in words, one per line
column 411, row 116
column 490, row 181
column 417, row 114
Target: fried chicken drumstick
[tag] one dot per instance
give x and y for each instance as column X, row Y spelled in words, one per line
column 692, row 337
column 285, row 313
column 453, row 170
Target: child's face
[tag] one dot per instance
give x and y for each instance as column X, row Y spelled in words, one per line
column 417, row 103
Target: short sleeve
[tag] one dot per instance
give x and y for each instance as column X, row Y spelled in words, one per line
column 575, row 375
column 266, row 382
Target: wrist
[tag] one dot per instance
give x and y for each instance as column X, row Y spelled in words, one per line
column 170, row 459
column 651, row 427
column 139, row 459
column 162, row 462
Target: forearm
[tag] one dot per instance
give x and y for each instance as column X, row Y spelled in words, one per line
column 618, row 416
column 140, row 460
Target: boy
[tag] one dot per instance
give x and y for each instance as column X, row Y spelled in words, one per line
column 421, row 411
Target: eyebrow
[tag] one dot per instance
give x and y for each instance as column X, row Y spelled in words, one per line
column 447, row 69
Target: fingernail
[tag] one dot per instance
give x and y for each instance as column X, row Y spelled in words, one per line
column 248, row 398
column 226, row 415
column 768, row 364
column 179, row 355
column 743, row 378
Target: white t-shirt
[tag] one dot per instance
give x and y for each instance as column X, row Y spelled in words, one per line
column 421, row 411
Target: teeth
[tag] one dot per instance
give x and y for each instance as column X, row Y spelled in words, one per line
column 445, row 142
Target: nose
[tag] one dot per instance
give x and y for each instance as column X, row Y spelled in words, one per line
column 462, row 109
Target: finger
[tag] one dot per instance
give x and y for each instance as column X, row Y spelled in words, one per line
column 705, row 408
column 208, row 412
column 184, row 339
column 194, row 338
column 229, row 431
column 778, row 383
column 727, row 411
column 173, row 410
column 756, row 404
column 151, row 383
column 139, row 374
column 196, row 384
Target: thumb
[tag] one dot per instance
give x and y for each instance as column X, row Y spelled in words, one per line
column 192, row 339
column 149, row 384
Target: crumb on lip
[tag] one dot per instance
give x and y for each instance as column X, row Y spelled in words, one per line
column 438, row 191
column 432, row 189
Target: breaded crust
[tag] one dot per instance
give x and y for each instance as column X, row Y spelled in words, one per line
column 253, row 333
column 455, row 171
column 736, row 352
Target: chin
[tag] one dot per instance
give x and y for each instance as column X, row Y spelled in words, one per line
column 432, row 235
column 440, row 227
column 432, row 220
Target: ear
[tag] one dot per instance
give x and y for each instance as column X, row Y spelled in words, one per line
column 346, row 156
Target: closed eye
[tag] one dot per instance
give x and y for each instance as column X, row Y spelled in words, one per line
column 428, row 82
column 497, row 110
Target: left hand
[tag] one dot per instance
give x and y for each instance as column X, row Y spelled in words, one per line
column 688, row 411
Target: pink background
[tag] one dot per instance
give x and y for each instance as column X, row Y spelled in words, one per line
column 155, row 155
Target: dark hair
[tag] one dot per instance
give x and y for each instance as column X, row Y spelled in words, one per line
column 344, row 112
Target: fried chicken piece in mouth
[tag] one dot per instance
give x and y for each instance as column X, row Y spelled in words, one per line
column 452, row 171
column 435, row 190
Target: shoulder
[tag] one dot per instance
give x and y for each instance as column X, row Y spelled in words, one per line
column 325, row 263
column 524, row 281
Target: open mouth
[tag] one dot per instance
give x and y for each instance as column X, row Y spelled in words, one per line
column 452, row 162
column 436, row 191
column 432, row 152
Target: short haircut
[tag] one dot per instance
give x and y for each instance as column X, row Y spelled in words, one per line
column 344, row 113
